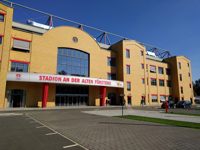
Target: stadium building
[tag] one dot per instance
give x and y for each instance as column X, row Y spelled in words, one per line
column 46, row 66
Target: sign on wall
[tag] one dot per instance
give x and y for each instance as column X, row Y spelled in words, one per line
column 61, row 79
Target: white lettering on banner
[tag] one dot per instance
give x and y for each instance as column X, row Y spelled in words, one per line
column 62, row 79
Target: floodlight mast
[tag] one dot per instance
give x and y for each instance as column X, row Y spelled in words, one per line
column 162, row 53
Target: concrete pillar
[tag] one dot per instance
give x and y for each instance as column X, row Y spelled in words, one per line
column 103, row 95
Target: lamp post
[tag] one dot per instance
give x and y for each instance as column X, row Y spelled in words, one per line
column 122, row 101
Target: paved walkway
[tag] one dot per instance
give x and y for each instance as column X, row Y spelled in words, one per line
column 154, row 114
column 91, row 131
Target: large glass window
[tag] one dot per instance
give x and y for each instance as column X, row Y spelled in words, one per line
column 19, row 67
column 72, row 62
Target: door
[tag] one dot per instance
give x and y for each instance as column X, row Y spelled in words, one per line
column 17, row 98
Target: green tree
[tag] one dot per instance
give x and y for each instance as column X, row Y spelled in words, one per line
column 196, row 87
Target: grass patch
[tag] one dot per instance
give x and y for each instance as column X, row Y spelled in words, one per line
column 184, row 113
column 164, row 121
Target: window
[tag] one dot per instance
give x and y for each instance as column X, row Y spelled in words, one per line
column 154, row 98
column 161, row 82
column 111, row 76
column 143, row 81
column 72, row 62
column 169, row 83
column 162, row 98
column 19, row 67
column 142, row 65
column 142, row 53
column 128, row 86
column 168, row 71
column 127, row 53
column 1, row 39
column 21, row 44
column 188, row 64
column 129, row 100
column 160, row 70
column 152, row 69
column 128, row 69
column 111, row 61
column 180, row 76
column 179, row 65
column 188, row 74
column 1, row 17
column 153, row 82
column 190, row 85
column 181, row 90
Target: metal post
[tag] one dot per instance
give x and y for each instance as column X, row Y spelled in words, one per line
column 166, row 106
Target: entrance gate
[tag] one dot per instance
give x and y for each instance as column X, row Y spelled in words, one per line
column 70, row 95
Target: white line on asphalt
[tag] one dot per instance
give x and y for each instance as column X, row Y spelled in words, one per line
column 40, row 127
column 10, row 114
column 52, row 133
column 55, row 131
column 70, row 146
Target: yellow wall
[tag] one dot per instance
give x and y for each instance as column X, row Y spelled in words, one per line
column 5, row 29
column 43, row 59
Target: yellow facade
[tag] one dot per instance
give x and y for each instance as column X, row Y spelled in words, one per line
column 42, row 59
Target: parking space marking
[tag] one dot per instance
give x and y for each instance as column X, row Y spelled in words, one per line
column 70, row 146
column 40, row 127
column 10, row 114
column 54, row 131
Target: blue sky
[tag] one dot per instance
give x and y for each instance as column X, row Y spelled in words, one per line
column 173, row 24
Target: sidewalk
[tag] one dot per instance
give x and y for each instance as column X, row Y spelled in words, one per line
column 153, row 114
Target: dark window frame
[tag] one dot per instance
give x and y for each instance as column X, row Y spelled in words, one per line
column 16, row 66
column 151, row 69
column 153, row 82
column 160, row 70
column 161, row 82
column 128, row 69
column 128, row 86
column 2, row 17
column 128, row 53
column 1, row 39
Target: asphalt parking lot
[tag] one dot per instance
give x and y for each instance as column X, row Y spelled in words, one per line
column 70, row 128
column 22, row 132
